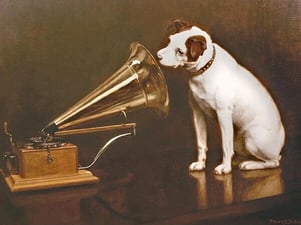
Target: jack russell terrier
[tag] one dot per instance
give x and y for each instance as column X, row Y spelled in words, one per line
column 226, row 91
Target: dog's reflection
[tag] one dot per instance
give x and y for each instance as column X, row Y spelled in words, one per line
column 227, row 183
column 201, row 187
column 261, row 184
column 239, row 186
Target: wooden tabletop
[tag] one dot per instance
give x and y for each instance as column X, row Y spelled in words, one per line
column 155, row 187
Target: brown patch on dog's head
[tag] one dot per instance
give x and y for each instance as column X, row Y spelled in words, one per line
column 196, row 45
column 177, row 25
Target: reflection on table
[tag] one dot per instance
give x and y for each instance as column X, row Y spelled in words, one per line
column 240, row 186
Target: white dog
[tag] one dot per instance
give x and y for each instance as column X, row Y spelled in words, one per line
column 223, row 89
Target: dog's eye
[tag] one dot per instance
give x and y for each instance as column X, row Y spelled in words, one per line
column 179, row 52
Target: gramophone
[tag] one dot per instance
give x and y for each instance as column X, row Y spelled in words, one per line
column 50, row 161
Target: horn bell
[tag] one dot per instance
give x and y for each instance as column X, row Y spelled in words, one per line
column 139, row 83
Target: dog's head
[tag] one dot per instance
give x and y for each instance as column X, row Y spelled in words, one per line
column 187, row 44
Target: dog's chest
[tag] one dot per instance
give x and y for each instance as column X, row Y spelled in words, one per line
column 203, row 92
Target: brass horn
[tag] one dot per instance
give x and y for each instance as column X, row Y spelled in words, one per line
column 139, row 83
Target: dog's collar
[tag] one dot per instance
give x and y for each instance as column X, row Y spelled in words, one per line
column 206, row 67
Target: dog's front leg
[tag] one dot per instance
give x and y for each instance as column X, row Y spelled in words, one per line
column 226, row 126
column 201, row 136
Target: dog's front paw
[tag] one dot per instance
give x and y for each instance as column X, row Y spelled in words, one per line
column 197, row 166
column 223, row 169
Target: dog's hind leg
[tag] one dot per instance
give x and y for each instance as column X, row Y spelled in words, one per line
column 264, row 148
column 256, row 165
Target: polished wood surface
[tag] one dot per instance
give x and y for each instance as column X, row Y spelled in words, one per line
column 16, row 183
column 157, row 188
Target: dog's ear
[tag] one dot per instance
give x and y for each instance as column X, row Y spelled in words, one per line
column 196, row 45
column 177, row 25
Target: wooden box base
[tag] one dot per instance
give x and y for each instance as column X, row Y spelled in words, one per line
column 34, row 163
column 18, row 184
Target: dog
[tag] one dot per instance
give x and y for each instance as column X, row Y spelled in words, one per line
column 223, row 89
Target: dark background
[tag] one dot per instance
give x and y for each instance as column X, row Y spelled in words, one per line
column 52, row 53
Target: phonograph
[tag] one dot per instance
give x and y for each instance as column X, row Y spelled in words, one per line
column 50, row 161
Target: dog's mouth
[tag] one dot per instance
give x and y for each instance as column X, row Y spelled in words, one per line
column 161, row 61
column 189, row 66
